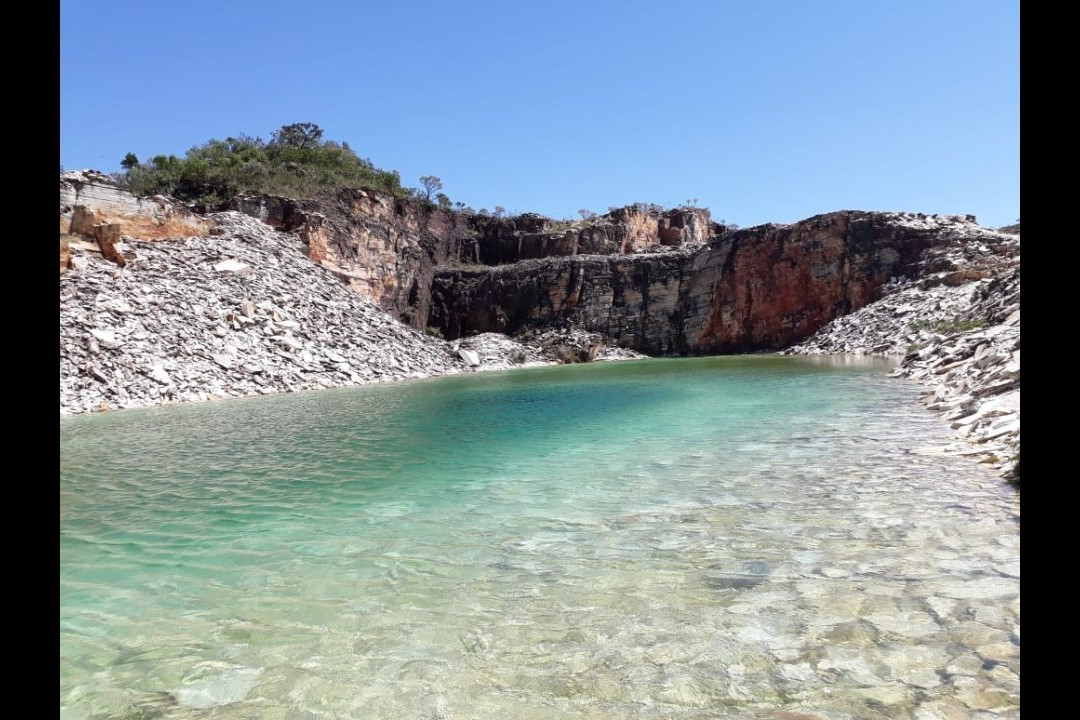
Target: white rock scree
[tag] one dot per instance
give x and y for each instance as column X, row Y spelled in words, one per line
column 244, row 312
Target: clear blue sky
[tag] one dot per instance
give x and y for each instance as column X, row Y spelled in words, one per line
column 763, row 110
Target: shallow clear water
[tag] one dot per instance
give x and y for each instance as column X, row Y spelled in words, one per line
column 717, row 537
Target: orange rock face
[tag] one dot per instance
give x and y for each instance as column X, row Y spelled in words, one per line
column 782, row 285
column 107, row 236
column 141, row 227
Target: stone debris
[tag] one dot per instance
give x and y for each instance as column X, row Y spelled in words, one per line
column 471, row 358
column 233, row 266
column 495, row 351
column 173, row 326
column 957, row 328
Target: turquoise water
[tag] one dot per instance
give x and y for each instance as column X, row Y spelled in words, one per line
column 698, row 538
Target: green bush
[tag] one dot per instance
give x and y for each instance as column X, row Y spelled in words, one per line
column 296, row 162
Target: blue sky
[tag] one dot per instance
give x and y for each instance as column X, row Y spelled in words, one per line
column 764, row 111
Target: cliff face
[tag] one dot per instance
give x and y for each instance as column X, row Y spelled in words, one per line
column 633, row 229
column 384, row 248
column 388, row 250
column 754, row 289
column 660, row 282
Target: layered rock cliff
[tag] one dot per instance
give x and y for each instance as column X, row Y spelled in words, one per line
column 660, row 282
column 757, row 289
column 92, row 205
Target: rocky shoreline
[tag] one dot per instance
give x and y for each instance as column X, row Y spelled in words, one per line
column 959, row 337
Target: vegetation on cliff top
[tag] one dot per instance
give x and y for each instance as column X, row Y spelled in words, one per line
column 296, row 162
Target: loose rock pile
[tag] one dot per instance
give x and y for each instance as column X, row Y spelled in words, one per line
column 245, row 312
column 906, row 318
column 974, row 376
column 495, row 351
column 240, row 313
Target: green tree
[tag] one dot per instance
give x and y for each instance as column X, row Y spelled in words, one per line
column 129, row 161
column 298, row 135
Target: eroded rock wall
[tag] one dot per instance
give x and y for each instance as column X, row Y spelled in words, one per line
column 660, row 282
column 384, row 248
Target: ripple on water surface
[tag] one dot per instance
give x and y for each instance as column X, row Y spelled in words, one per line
column 721, row 537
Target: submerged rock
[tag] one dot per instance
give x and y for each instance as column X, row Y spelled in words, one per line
column 221, row 688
